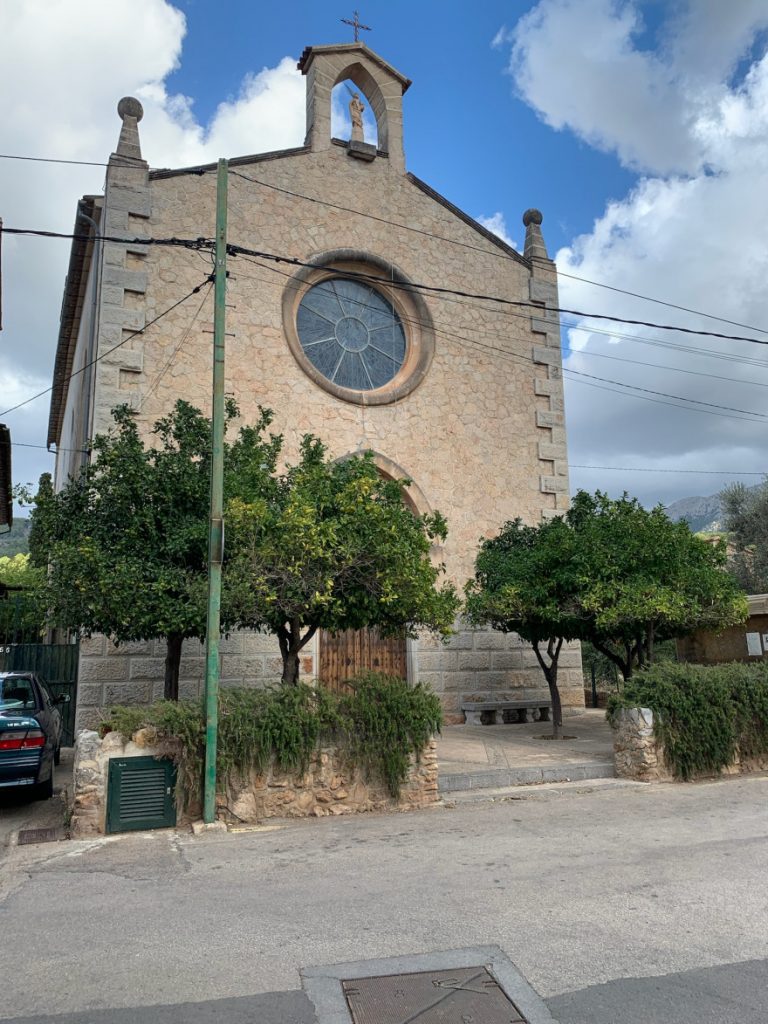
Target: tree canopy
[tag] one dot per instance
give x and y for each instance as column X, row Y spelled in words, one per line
column 609, row 572
column 527, row 581
column 126, row 543
column 321, row 544
column 332, row 545
column 745, row 518
column 645, row 578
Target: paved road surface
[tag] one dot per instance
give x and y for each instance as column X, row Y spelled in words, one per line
column 620, row 907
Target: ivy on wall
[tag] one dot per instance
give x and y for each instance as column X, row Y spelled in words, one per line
column 704, row 715
column 382, row 722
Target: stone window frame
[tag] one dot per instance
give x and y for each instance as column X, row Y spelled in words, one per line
column 409, row 305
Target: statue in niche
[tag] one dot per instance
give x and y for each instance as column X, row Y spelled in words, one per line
column 356, row 109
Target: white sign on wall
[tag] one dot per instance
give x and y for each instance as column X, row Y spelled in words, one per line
column 754, row 647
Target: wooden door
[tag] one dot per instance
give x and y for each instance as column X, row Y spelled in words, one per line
column 348, row 654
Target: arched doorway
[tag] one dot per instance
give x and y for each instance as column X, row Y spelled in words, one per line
column 345, row 655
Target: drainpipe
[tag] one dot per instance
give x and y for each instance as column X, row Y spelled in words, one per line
column 90, row 377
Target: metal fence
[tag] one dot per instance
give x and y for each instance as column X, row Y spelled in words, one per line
column 57, row 664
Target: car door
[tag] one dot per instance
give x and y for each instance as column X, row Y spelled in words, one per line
column 49, row 716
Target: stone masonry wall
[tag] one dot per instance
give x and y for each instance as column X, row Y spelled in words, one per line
column 133, row 673
column 330, row 787
column 474, row 662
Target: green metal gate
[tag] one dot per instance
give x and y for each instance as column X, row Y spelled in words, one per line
column 140, row 794
column 57, row 664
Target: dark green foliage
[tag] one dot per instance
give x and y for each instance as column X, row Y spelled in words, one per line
column 644, row 579
column 382, row 722
column 330, row 544
column 703, row 714
column 745, row 518
column 15, row 541
column 385, row 721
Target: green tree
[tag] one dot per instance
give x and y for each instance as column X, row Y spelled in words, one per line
column 646, row 579
column 332, row 545
column 527, row 581
column 126, row 543
column 745, row 518
column 22, row 608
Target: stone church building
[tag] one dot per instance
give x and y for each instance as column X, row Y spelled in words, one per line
column 463, row 397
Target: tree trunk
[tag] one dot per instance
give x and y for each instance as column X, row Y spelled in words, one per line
column 291, row 643
column 550, row 674
column 625, row 667
column 172, row 662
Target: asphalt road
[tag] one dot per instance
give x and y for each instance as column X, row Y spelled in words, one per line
column 620, row 907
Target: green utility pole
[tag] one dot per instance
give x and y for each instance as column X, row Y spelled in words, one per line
column 216, row 526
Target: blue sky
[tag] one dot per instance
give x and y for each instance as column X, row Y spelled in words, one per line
column 638, row 127
column 503, row 158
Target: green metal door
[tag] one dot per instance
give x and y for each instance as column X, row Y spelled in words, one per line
column 57, row 664
column 140, row 794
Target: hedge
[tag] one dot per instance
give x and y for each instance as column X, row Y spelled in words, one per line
column 704, row 715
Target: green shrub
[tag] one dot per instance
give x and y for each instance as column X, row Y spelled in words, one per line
column 382, row 721
column 703, row 714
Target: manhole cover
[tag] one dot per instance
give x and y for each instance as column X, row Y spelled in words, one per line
column 38, row 835
column 469, row 995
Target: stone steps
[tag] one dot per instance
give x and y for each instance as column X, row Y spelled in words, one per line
column 544, row 791
column 525, row 775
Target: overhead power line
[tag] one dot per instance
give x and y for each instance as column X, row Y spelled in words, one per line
column 653, row 469
column 238, row 250
column 413, row 286
column 114, row 348
column 477, row 248
column 410, row 227
column 690, row 404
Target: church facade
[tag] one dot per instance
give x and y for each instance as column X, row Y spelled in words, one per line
column 461, row 396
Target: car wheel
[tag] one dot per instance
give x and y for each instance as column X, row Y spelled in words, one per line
column 44, row 790
column 57, row 755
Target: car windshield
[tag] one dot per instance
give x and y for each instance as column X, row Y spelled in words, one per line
column 17, row 694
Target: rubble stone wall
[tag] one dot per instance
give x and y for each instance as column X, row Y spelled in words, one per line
column 330, row 786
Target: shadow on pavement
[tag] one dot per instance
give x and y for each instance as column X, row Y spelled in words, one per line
column 267, row 1008
column 729, row 994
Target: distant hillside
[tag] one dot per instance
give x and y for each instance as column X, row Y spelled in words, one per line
column 701, row 514
column 17, row 541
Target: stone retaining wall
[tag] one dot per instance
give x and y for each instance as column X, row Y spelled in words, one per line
column 640, row 756
column 331, row 786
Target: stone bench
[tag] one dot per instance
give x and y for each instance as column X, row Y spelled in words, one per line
column 494, row 711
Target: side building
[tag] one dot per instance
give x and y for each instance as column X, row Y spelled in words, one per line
column 463, row 397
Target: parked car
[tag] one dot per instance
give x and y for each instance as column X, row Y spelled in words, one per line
column 30, row 733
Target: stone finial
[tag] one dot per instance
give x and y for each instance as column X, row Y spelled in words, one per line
column 535, row 249
column 131, row 112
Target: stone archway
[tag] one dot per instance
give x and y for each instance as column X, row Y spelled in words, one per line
column 344, row 655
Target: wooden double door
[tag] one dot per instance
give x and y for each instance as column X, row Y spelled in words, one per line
column 346, row 655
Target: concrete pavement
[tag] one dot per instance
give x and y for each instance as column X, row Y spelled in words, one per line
column 619, row 905
column 486, row 756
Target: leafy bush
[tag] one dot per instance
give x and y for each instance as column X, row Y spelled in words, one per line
column 382, row 721
column 704, row 715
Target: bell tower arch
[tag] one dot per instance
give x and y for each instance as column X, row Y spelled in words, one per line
column 325, row 66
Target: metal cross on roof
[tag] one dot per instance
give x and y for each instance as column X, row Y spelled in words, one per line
column 356, row 25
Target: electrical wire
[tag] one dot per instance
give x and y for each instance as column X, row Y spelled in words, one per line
column 477, row 248
column 411, row 286
column 114, row 348
column 176, row 350
column 691, row 404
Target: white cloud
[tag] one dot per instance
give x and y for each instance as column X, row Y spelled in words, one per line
column 498, row 225
column 699, row 240
column 578, row 64
column 65, row 65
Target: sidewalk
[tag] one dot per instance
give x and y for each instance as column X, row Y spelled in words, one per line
column 491, row 756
